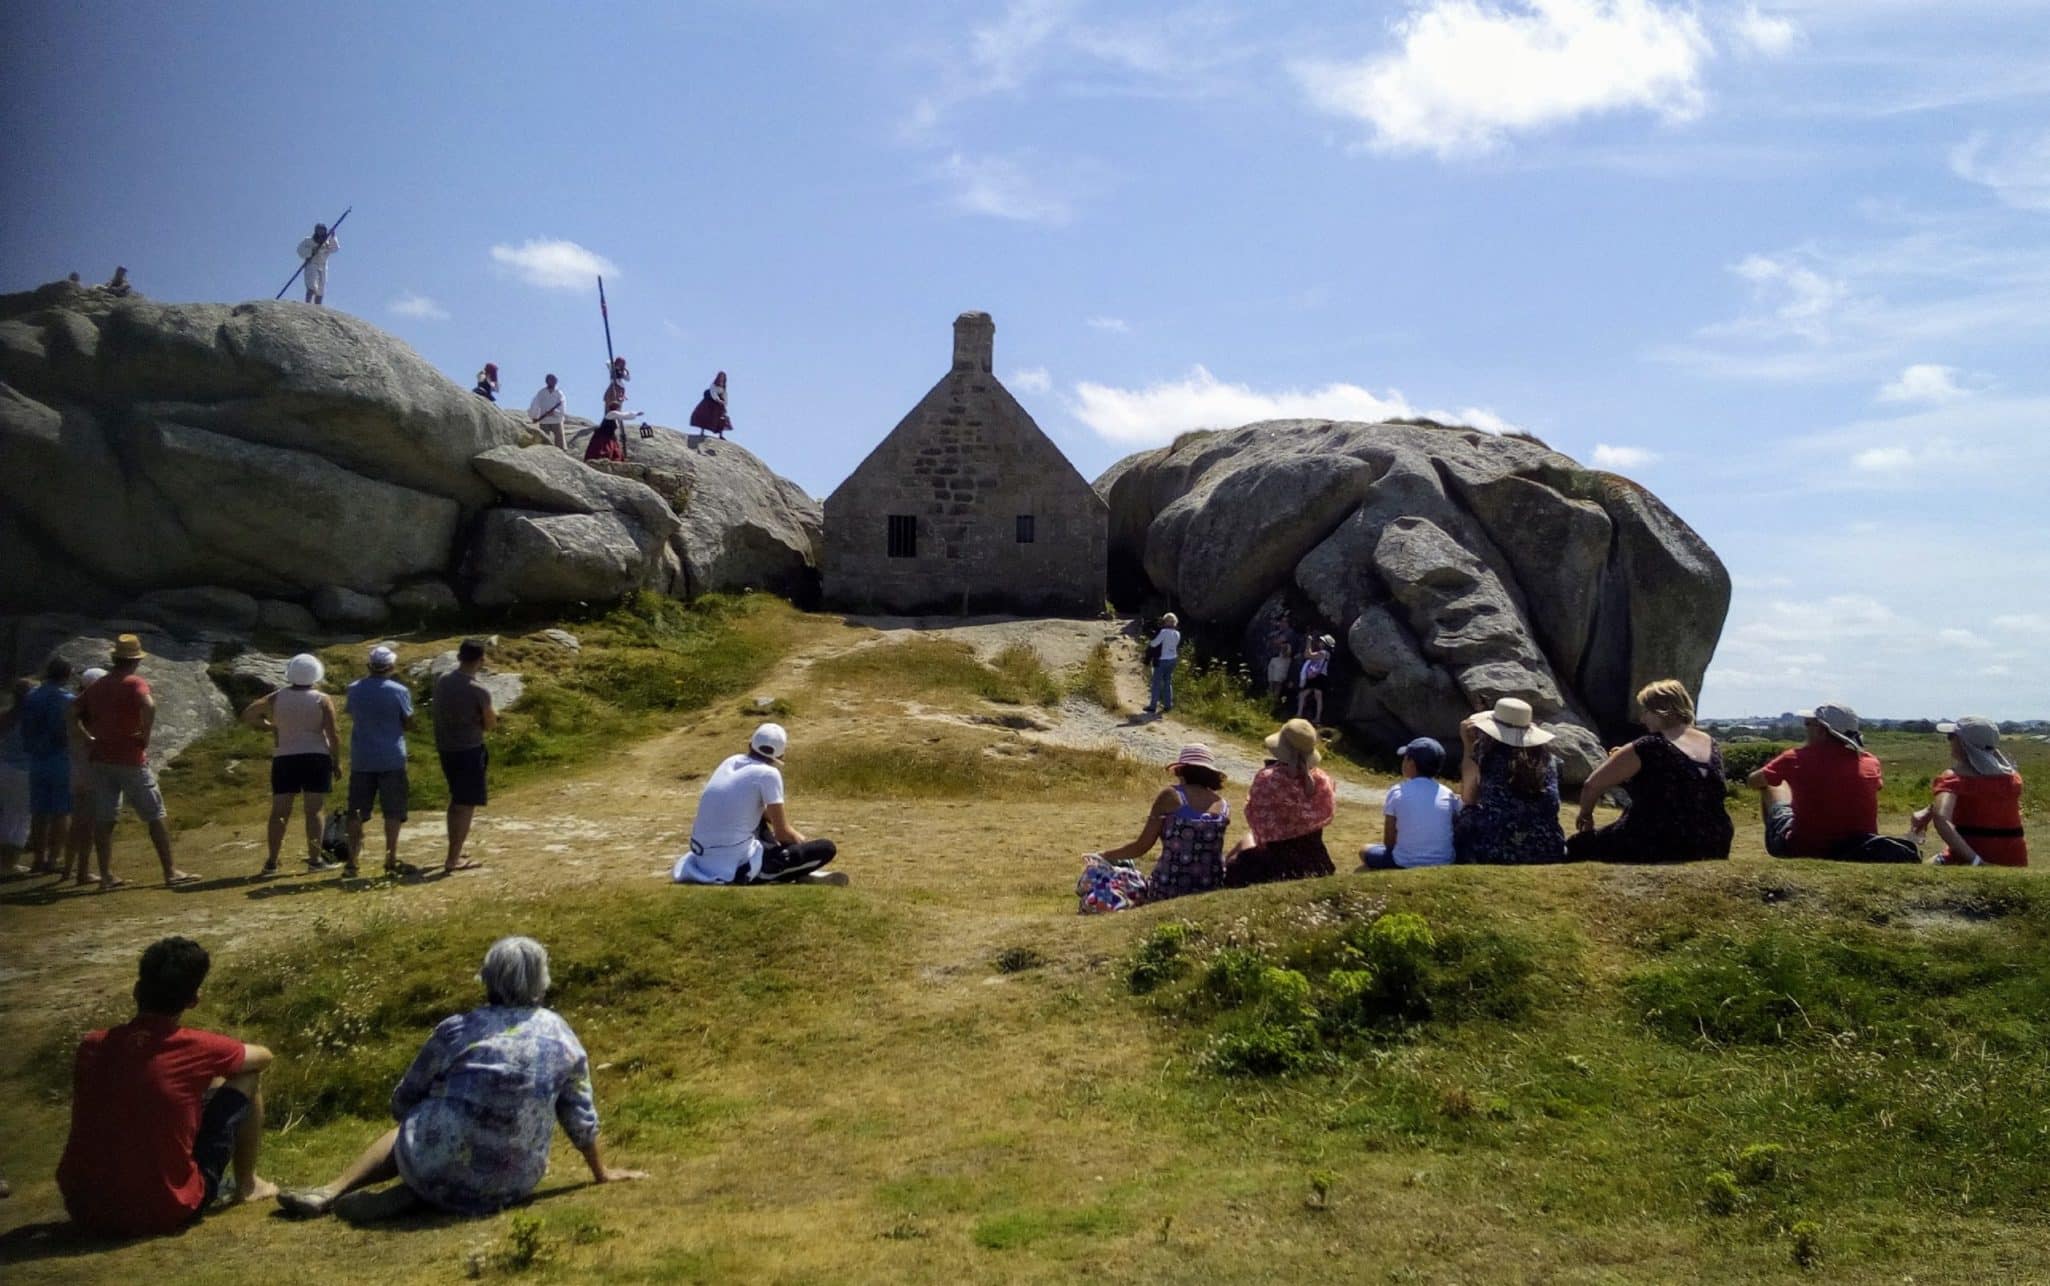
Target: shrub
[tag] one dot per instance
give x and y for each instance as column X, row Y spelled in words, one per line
column 1759, row 1163
column 1258, row 1050
column 1096, row 679
column 1017, row 960
column 1807, row 1248
column 1721, row 1194
column 1742, row 758
column 1159, row 959
column 1019, row 677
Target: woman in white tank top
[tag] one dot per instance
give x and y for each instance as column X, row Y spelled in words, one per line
column 308, row 746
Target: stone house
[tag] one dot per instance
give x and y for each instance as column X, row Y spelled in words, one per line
column 966, row 507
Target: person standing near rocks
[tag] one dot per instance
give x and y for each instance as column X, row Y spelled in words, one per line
column 315, row 250
column 608, row 440
column 306, row 748
column 1166, row 649
column 546, row 410
column 78, row 844
column 487, row 382
column 46, row 735
column 710, row 414
column 462, row 715
column 117, row 715
column 1313, row 678
column 380, row 712
column 16, row 817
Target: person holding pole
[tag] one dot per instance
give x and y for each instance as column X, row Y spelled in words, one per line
column 608, row 440
column 314, row 252
column 546, row 411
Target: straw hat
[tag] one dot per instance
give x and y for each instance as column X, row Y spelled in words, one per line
column 1511, row 723
column 1195, row 755
column 1296, row 744
column 128, row 648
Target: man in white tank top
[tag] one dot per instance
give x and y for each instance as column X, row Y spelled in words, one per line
column 302, row 719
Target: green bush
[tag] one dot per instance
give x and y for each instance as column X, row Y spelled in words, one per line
column 1721, row 1194
column 1158, row 960
column 1742, row 758
column 1759, row 1163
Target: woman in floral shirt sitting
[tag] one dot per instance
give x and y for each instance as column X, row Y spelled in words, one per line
column 478, row 1107
column 1290, row 803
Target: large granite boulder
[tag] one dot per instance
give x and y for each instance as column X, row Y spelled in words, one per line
column 743, row 525
column 189, row 703
column 278, row 451
column 1457, row 567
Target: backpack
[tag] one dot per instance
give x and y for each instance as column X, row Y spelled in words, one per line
column 1106, row 886
column 334, row 837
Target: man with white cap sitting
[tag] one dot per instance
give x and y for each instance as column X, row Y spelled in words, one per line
column 1821, row 798
column 741, row 834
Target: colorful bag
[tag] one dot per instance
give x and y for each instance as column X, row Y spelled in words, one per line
column 1106, row 886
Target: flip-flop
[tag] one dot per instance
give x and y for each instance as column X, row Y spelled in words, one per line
column 182, row 877
column 467, row 864
column 108, row 886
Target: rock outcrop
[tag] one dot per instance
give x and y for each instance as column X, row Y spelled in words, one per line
column 1455, row 566
column 247, row 463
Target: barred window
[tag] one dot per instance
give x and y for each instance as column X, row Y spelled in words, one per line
column 903, row 536
column 1025, row 529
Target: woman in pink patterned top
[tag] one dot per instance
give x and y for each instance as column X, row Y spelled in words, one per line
column 1290, row 803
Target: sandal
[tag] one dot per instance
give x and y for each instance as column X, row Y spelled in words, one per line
column 467, row 864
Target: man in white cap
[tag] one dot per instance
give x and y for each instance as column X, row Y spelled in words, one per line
column 1821, row 799
column 380, row 711
column 741, row 834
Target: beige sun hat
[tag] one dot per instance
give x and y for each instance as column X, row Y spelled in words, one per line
column 1512, row 723
column 1296, row 744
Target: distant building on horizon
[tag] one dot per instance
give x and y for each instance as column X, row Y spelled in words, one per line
column 966, row 507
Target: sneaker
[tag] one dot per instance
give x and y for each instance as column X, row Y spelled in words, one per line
column 270, row 868
column 318, row 864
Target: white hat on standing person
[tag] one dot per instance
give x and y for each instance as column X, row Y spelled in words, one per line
column 770, row 741
column 382, row 658
column 1513, row 723
column 1980, row 740
column 304, row 670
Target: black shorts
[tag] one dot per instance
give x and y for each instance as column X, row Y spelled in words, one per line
column 302, row 774
column 465, row 772
column 213, row 1148
column 386, row 790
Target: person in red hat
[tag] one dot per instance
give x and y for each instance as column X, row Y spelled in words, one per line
column 710, row 415
column 608, row 440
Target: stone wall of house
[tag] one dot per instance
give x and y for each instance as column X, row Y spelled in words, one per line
column 966, row 467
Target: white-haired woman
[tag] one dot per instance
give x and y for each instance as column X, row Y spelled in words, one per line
column 1165, row 651
column 306, row 748
column 477, row 1108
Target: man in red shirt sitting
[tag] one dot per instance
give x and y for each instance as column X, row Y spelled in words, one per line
column 1821, row 799
column 158, row 1110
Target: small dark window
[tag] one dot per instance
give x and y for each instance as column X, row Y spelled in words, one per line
column 1025, row 532
column 903, row 536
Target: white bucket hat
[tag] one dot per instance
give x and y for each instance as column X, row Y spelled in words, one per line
column 1512, row 723
column 304, row 670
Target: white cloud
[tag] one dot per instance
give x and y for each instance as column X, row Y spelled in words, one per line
column 1155, row 414
column 1884, row 460
column 1924, row 382
column 554, row 264
column 1764, row 33
column 1622, row 457
column 1033, row 379
column 2017, row 168
column 1111, row 325
column 1962, row 639
column 1002, row 187
column 411, row 304
column 2037, row 623
column 1471, row 73
column 1801, row 300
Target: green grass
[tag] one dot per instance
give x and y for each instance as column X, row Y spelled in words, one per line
column 925, row 667
column 1096, row 679
column 641, row 663
column 1220, row 694
column 950, row 765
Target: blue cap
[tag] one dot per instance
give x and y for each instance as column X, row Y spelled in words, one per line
column 1429, row 755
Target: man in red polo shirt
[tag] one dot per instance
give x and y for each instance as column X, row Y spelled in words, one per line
column 117, row 714
column 1821, row 799
column 159, row 1111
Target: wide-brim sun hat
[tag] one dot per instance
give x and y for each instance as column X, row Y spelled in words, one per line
column 1513, row 723
column 304, row 670
column 1195, row 755
column 1839, row 720
column 1981, row 741
column 1296, row 744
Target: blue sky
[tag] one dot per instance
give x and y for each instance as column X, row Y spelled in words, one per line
column 1786, row 263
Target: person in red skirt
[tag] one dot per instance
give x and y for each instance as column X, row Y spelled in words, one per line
column 608, row 440
column 710, row 415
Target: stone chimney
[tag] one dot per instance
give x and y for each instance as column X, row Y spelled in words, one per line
column 974, row 343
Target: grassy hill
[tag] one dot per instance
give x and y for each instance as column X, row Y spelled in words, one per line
column 1730, row 1072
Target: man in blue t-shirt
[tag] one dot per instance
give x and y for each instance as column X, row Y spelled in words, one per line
column 380, row 710
column 46, row 736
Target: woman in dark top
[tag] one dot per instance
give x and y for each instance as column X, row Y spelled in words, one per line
column 1675, row 774
column 1508, row 791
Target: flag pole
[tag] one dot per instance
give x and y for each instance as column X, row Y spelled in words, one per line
column 332, row 228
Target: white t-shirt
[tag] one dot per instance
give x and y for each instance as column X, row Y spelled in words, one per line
column 722, row 838
column 546, row 406
column 1422, row 808
column 318, row 253
column 1170, row 644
